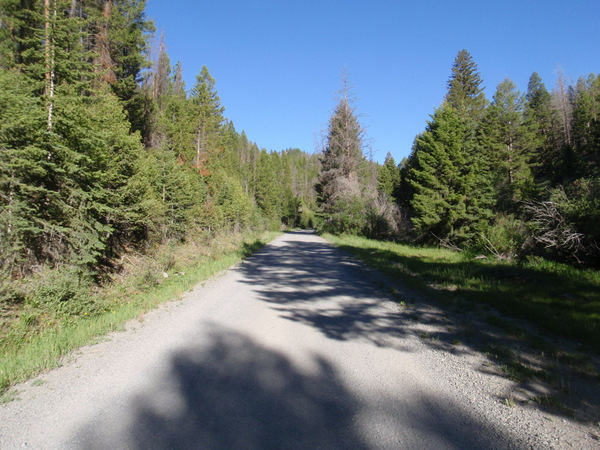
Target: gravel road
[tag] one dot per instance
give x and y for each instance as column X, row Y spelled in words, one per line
column 294, row 348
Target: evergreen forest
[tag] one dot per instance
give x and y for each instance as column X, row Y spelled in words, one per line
column 514, row 177
column 104, row 150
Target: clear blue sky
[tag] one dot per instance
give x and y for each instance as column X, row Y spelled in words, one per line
column 278, row 63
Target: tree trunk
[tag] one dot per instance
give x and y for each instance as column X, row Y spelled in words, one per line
column 49, row 56
column 104, row 61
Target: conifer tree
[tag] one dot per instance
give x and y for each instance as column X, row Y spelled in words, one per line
column 508, row 142
column 343, row 152
column 541, row 118
column 126, row 28
column 388, row 180
column 586, row 127
column 465, row 92
column 83, row 152
column 21, row 174
column 208, row 115
column 267, row 196
column 450, row 197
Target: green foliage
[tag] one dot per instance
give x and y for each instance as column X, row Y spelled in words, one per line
column 123, row 30
column 21, row 124
column 234, row 205
column 558, row 298
column 449, row 193
column 207, row 114
column 97, row 164
column 465, row 93
column 507, row 140
column 268, row 194
column 479, row 172
column 586, row 127
column 342, row 156
column 388, row 177
column 308, row 219
column 347, row 216
column 63, row 292
column 565, row 225
column 541, row 118
column 504, row 238
column 38, row 341
column 347, row 180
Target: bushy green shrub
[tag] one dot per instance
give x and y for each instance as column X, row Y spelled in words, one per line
column 348, row 215
column 65, row 291
column 504, row 238
column 307, row 217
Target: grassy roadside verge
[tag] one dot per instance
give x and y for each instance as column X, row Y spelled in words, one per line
column 559, row 299
column 35, row 340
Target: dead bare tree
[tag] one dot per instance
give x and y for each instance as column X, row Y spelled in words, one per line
column 562, row 104
column 552, row 230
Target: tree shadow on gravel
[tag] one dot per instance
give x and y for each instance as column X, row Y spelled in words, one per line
column 307, row 282
column 316, row 284
column 560, row 304
column 312, row 283
column 236, row 394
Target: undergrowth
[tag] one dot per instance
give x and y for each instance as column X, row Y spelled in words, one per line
column 57, row 311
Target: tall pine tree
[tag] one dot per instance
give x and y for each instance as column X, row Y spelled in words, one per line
column 465, row 93
column 542, row 119
column 508, row 142
column 450, row 196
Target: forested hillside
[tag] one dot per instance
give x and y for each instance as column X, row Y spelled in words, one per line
column 104, row 149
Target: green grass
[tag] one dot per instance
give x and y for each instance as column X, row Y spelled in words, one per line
column 560, row 299
column 24, row 354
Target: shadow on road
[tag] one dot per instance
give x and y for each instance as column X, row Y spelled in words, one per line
column 308, row 282
column 314, row 284
column 236, row 394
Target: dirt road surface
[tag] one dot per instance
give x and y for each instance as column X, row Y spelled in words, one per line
column 294, row 348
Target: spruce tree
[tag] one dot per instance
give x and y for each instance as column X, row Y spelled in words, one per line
column 508, row 142
column 450, row 198
column 22, row 125
column 388, row 180
column 586, row 127
column 465, row 92
column 126, row 55
column 208, row 120
column 541, row 117
column 343, row 152
column 81, row 150
column 267, row 194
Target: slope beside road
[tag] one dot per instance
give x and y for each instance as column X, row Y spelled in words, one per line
column 293, row 348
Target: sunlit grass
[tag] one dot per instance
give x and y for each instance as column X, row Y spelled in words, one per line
column 44, row 347
column 560, row 299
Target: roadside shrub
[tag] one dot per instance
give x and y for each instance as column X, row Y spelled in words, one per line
column 65, row 291
column 504, row 238
column 348, row 215
column 307, row 217
column 565, row 226
column 385, row 220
